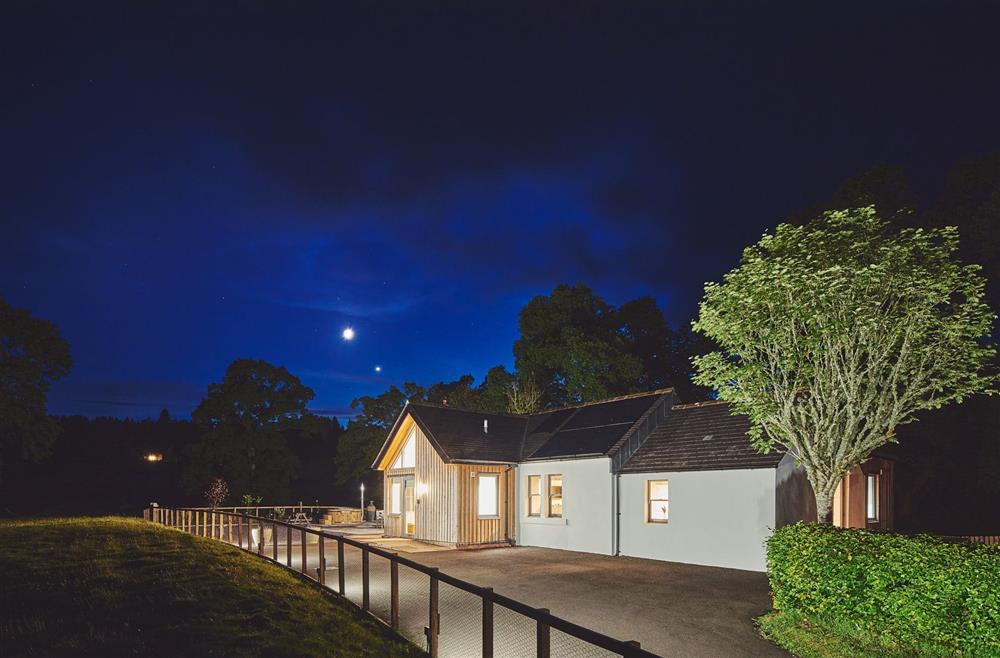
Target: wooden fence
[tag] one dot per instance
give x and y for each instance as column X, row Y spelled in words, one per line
column 478, row 620
column 993, row 540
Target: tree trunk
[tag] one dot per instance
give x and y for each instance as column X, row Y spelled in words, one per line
column 824, row 506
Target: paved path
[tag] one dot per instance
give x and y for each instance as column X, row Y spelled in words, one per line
column 672, row 609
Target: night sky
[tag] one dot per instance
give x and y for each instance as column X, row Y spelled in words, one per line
column 182, row 188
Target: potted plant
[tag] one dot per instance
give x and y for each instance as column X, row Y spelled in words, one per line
column 250, row 500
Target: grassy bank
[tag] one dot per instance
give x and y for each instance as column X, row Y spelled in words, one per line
column 114, row 586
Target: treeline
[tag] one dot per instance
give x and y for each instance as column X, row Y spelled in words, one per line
column 100, row 466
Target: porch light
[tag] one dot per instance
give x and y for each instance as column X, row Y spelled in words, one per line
column 421, row 488
column 154, row 457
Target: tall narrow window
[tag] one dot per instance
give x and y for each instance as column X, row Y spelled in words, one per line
column 534, row 495
column 489, row 495
column 871, row 496
column 395, row 503
column 657, row 501
column 555, row 495
column 408, row 455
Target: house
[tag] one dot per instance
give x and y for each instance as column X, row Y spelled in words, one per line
column 640, row 475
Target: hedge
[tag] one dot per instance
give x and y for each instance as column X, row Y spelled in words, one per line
column 917, row 593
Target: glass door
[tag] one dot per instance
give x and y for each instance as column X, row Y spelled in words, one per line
column 409, row 508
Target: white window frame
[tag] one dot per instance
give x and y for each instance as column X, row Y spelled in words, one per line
column 549, row 496
column 395, row 497
column 873, row 483
column 531, row 495
column 407, row 457
column 496, row 495
column 649, row 500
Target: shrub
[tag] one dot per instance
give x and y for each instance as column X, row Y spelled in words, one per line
column 912, row 592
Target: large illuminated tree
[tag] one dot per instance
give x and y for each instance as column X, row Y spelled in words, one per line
column 835, row 332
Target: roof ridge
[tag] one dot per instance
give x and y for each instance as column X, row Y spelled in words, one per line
column 706, row 403
column 438, row 405
column 658, row 391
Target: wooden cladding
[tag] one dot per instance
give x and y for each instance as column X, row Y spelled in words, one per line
column 445, row 499
column 435, row 492
column 472, row 529
column 851, row 499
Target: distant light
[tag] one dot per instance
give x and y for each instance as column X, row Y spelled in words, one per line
column 378, row 368
column 348, row 334
column 154, row 457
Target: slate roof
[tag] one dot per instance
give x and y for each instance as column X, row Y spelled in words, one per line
column 591, row 429
column 699, row 437
column 458, row 433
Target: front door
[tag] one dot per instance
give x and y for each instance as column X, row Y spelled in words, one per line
column 409, row 508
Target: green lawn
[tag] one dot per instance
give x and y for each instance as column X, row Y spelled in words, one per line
column 115, row 586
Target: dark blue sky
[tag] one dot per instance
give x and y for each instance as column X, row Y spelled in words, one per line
column 182, row 188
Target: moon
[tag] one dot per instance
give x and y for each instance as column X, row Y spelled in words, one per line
column 347, row 333
column 378, row 368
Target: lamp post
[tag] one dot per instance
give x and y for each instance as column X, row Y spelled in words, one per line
column 362, row 501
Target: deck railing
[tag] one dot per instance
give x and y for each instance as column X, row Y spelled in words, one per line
column 447, row 615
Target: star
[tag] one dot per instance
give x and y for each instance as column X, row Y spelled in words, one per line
column 378, row 368
column 347, row 333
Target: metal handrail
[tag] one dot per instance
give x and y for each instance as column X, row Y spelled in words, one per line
column 179, row 517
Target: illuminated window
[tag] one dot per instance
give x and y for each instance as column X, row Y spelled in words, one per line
column 871, row 496
column 534, row 495
column 657, row 501
column 489, row 495
column 395, row 503
column 408, row 455
column 555, row 495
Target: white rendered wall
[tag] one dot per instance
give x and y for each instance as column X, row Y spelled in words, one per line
column 587, row 506
column 716, row 518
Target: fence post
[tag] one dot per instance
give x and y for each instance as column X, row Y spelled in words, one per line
column 340, row 565
column 249, row 534
column 229, row 522
column 364, row 578
column 211, row 530
column 303, row 569
column 488, row 624
column 544, row 645
column 274, row 539
column 435, row 619
column 394, row 592
column 239, row 533
column 288, row 546
column 322, row 560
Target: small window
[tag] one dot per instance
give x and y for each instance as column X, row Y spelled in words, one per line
column 489, row 495
column 657, row 501
column 534, row 495
column 396, row 498
column 555, row 495
column 871, row 496
column 408, row 455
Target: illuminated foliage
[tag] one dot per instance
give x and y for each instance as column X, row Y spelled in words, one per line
column 835, row 332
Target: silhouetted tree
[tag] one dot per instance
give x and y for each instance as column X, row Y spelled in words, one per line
column 367, row 431
column 33, row 354
column 571, row 345
column 244, row 422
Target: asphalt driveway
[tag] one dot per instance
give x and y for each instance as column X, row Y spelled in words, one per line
column 672, row 609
